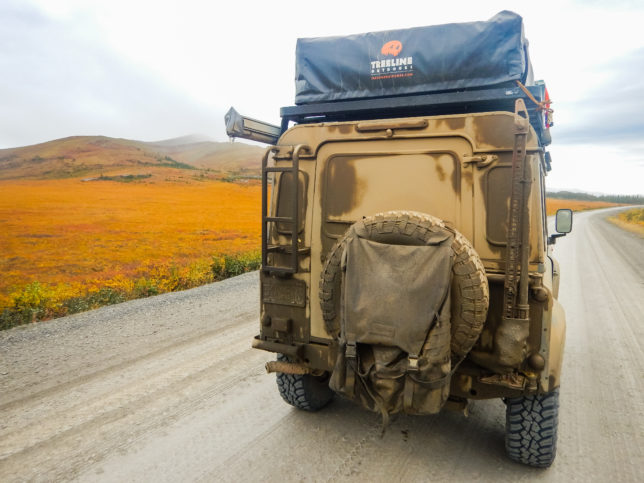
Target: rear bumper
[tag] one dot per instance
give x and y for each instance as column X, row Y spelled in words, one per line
column 315, row 356
column 470, row 380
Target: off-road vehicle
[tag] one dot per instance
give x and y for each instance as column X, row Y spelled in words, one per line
column 405, row 252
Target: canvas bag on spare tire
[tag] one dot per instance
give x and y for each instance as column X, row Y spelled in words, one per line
column 395, row 326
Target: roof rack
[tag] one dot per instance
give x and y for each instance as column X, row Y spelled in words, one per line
column 455, row 102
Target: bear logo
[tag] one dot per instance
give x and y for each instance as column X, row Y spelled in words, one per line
column 393, row 47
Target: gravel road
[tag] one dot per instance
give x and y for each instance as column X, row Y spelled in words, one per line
column 168, row 389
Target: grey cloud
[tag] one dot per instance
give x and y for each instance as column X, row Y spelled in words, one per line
column 626, row 4
column 57, row 81
column 612, row 114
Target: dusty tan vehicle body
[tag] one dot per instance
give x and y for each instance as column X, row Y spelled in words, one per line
column 455, row 167
column 405, row 248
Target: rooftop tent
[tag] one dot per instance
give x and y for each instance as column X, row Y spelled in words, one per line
column 421, row 60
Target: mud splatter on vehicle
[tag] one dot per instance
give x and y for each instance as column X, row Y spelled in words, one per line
column 405, row 258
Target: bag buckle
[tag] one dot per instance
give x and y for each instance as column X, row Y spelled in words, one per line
column 350, row 350
column 412, row 363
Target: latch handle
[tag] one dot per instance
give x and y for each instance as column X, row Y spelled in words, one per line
column 383, row 126
column 481, row 160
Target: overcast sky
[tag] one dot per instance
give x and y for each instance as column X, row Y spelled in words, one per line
column 153, row 70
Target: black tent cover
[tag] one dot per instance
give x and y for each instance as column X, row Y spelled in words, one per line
column 419, row 60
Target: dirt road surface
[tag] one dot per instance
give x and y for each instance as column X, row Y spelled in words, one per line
column 168, row 389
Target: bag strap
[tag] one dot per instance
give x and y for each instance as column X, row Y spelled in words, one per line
column 408, row 390
column 351, row 357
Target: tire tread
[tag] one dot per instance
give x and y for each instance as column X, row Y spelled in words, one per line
column 531, row 429
column 304, row 392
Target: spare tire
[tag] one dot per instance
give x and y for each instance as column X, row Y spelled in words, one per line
column 469, row 288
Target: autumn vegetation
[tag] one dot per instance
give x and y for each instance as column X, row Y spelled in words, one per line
column 632, row 220
column 88, row 221
column 91, row 221
column 70, row 245
column 553, row 204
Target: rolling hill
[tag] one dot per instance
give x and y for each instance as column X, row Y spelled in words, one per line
column 87, row 156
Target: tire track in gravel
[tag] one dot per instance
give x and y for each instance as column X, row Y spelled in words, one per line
column 154, row 362
column 39, row 356
column 157, row 354
column 114, row 423
column 42, row 417
column 168, row 390
column 604, row 363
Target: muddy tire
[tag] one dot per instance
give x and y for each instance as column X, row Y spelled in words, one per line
column 531, row 429
column 306, row 392
column 469, row 289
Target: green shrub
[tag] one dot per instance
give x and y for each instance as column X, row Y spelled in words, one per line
column 144, row 287
column 38, row 301
column 226, row 266
column 634, row 216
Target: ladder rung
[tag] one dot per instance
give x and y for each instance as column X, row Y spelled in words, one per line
column 279, row 219
column 278, row 269
column 278, row 170
column 288, row 249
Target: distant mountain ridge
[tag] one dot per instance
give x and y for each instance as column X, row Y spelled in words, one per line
column 189, row 139
column 81, row 156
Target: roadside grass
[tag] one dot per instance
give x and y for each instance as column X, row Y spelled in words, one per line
column 631, row 220
column 70, row 246
column 41, row 301
column 554, row 204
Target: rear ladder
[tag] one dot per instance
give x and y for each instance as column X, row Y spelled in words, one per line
column 293, row 221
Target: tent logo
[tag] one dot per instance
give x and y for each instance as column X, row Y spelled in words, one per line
column 393, row 47
column 388, row 68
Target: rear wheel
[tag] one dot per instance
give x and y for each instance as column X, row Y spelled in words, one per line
column 531, row 428
column 306, row 392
